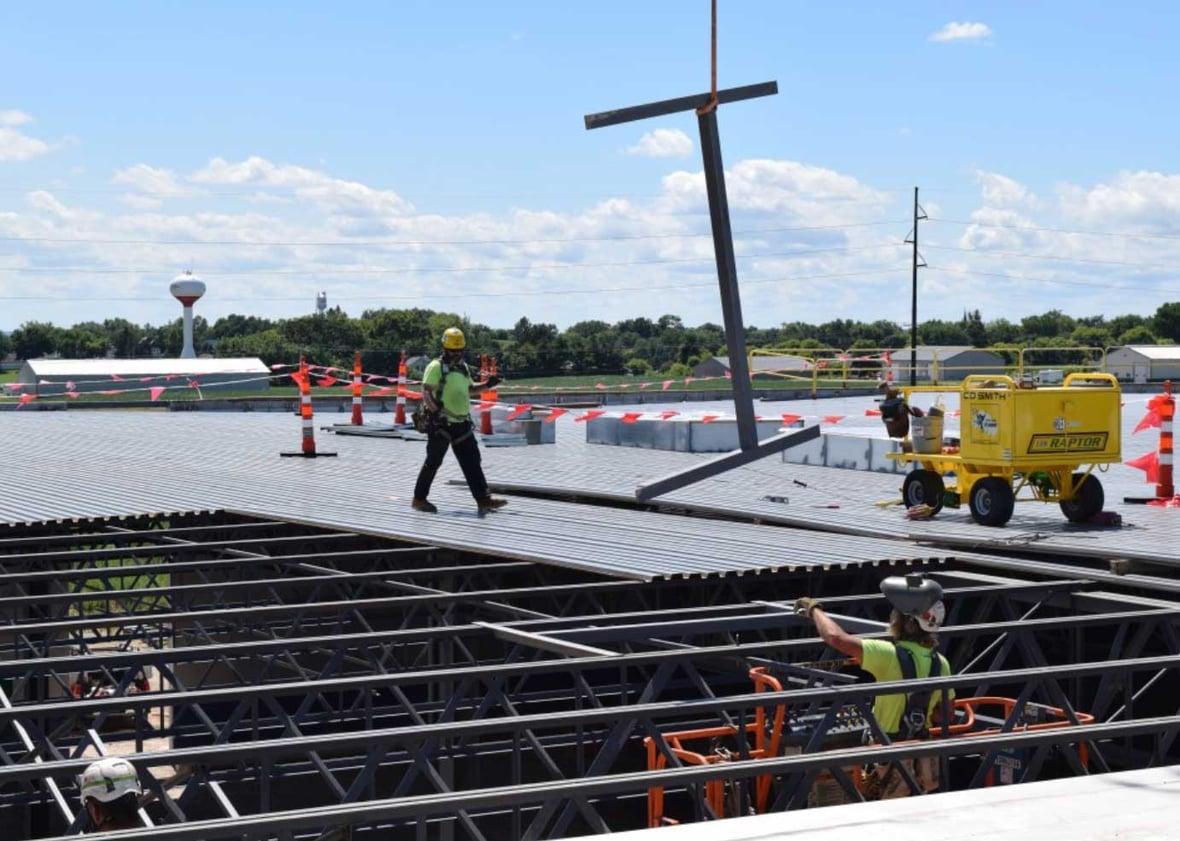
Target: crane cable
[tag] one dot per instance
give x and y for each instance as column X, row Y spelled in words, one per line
column 711, row 105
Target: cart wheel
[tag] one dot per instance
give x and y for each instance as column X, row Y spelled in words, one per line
column 1086, row 502
column 991, row 501
column 923, row 486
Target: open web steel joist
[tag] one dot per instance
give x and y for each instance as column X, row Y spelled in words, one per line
column 277, row 680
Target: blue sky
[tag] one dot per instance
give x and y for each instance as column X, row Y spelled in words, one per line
column 433, row 154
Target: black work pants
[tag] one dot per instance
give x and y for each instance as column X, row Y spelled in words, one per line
column 459, row 437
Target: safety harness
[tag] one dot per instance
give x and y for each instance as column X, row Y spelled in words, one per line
column 437, row 423
column 913, row 720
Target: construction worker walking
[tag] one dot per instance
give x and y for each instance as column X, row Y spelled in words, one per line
column 110, row 792
column 447, row 388
column 912, row 652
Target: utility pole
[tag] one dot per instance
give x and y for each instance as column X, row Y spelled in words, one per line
column 918, row 262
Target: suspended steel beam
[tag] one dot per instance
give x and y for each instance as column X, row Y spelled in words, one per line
column 728, row 461
column 705, row 107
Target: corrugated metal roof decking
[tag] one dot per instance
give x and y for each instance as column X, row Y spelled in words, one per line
column 74, row 464
column 65, row 465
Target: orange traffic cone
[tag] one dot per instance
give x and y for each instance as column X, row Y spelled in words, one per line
column 357, row 399
column 308, row 449
column 400, row 416
column 487, row 396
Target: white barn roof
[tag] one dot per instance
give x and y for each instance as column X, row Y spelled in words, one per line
column 144, row 367
column 1156, row 353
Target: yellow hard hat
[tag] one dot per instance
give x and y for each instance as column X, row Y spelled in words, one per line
column 453, row 339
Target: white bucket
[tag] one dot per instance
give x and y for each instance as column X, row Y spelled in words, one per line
column 926, row 434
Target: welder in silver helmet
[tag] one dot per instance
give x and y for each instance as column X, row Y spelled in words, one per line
column 911, row 652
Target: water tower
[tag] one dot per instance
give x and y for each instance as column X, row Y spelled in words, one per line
column 187, row 288
column 321, row 303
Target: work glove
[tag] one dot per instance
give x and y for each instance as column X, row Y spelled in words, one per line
column 492, row 381
column 804, row 605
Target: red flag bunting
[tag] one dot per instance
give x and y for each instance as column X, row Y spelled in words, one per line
column 1149, row 464
column 833, row 419
column 591, row 415
column 326, row 381
column 789, row 419
column 642, row 386
column 872, row 413
column 1151, row 419
column 27, row 398
column 520, row 409
column 156, row 392
column 631, row 417
column 668, row 414
column 555, row 413
column 667, row 384
column 709, row 418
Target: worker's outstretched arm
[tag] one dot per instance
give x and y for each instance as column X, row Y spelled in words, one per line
column 829, row 630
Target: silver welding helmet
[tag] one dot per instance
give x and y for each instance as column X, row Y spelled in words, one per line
column 916, row 596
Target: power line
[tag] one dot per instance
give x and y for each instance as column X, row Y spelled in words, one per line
column 396, row 242
column 1014, row 276
column 328, row 272
column 1054, row 230
column 1026, row 256
column 417, row 296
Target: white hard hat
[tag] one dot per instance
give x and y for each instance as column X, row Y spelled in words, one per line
column 108, row 779
column 930, row 620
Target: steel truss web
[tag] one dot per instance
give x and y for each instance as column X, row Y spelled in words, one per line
column 272, row 680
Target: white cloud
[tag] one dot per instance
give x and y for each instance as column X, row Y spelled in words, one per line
column 812, row 244
column 140, row 201
column 620, row 257
column 662, row 143
column 778, row 186
column 1001, row 191
column 15, row 145
column 152, row 181
column 1147, row 202
column 965, row 31
column 334, row 195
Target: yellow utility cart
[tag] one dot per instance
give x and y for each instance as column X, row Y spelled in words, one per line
column 1016, row 436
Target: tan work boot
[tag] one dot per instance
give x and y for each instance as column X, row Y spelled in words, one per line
column 491, row 503
column 423, row 505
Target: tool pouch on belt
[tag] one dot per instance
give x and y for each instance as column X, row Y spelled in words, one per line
column 874, row 780
column 424, row 420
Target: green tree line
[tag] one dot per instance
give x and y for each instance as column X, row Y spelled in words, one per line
column 527, row 349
